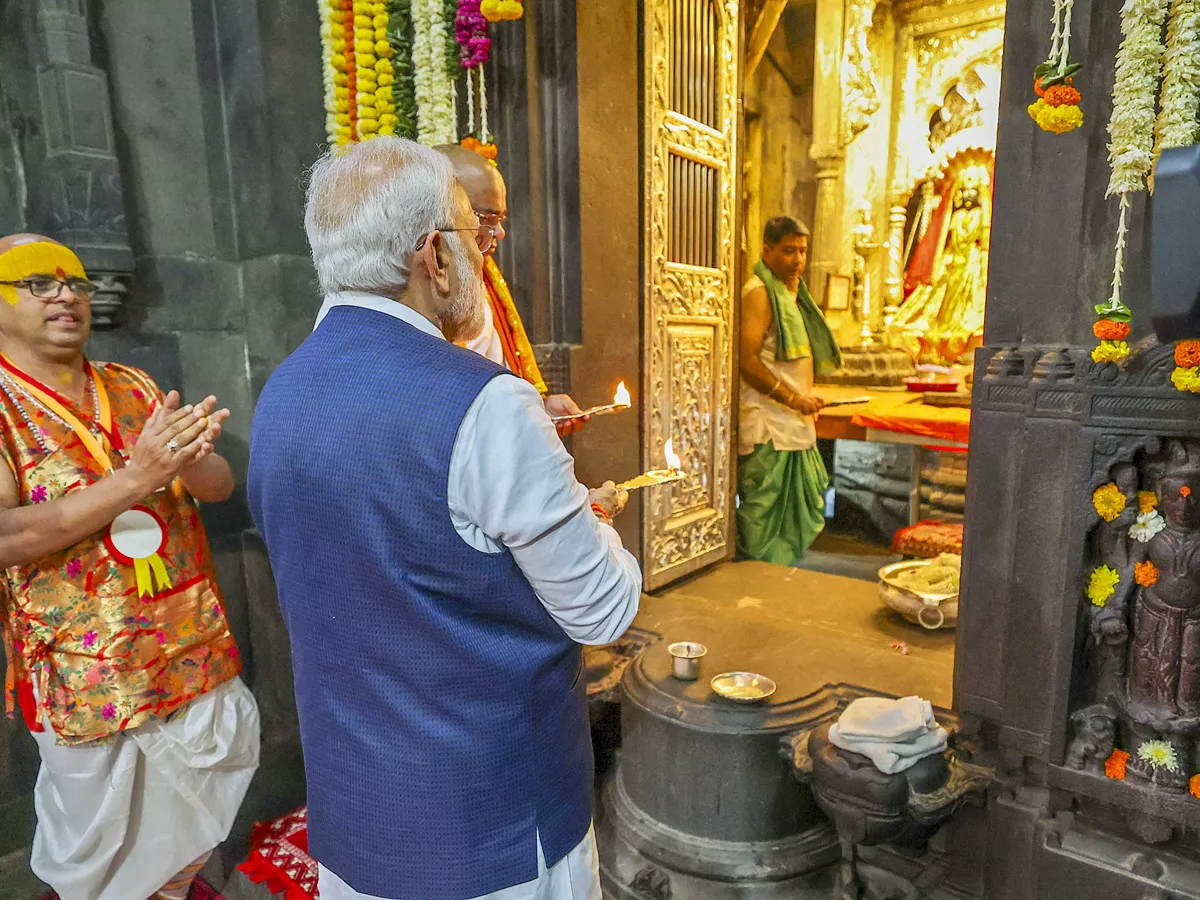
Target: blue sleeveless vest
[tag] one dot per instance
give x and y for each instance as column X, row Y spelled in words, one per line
column 442, row 710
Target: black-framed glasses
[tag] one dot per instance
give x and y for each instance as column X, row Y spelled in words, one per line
column 46, row 287
column 485, row 237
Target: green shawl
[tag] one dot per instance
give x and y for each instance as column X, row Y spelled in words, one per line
column 801, row 330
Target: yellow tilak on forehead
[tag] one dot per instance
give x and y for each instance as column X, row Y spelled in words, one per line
column 37, row 258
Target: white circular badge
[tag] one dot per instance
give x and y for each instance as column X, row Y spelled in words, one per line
column 137, row 534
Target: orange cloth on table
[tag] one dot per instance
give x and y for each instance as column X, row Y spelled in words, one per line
column 104, row 656
column 908, row 415
column 518, row 352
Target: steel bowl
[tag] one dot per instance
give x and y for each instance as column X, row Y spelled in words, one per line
column 743, row 687
column 929, row 610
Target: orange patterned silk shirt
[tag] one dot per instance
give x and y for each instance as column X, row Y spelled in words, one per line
column 77, row 635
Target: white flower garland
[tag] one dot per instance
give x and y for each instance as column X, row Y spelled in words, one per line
column 484, row 135
column 1060, row 40
column 1139, row 65
column 1179, row 119
column 331, row 125
column 436, row 120
column 1131, row 128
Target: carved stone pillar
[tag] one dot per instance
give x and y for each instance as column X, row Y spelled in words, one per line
column 825, row 246
column 75, row 190
column 825, row 252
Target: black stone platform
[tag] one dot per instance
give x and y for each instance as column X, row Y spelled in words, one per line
column 702, row 803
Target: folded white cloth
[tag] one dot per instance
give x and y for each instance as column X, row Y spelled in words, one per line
column 894, row 734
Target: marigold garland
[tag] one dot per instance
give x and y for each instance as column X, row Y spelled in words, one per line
column 1109, row 502
column 341, row 108
column 1108, row 330
column 1114, row 766
column 1147, row 501
column 1102, row 584
column 1145, row 574
column 1057, row 107
column 1110, row 351
column 502, row 10
column 1186, row 376
column 487, row 151
column 370, row 48
column 1194, row 786
column 350, row 61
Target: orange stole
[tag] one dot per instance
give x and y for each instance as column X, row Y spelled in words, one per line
column 518, row 352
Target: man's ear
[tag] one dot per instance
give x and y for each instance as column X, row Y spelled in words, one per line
column 433, row 257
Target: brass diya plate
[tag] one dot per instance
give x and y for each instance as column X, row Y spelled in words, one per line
column 743, row 687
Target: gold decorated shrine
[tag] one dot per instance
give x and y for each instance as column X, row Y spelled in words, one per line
column 904, row 112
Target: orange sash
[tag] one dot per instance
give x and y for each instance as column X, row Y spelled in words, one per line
column 518, row 352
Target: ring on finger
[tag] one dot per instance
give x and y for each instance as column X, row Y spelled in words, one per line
column 173, row 446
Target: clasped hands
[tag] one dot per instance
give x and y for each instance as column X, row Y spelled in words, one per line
column 175, row 438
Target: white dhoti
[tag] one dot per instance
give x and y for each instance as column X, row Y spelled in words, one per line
column 574, row 877
column 116, row 820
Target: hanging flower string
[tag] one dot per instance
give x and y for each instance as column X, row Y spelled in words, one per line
column 399, row 76
column 1130, row 150
column 1178, row 122
column 436, row 118
column 1057, row 107
column 502, row 10
column 471, row 34
column 1186, row 376
column 328, row 73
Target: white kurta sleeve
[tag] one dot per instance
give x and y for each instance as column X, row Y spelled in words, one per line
column 512, row 485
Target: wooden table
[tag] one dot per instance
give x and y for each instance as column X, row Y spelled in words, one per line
column 889, row 407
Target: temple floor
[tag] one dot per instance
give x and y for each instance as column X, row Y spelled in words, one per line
column 804, row 629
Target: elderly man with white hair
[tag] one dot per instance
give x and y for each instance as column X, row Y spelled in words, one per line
column 438, row 564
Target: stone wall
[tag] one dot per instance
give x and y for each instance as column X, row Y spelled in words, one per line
column 215, row 114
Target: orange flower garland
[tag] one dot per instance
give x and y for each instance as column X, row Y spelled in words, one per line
column 487, row 151
column 349, row 55
column 1186, row 376
column 1114, row 767
column 1145, row 574
column 1108, row 330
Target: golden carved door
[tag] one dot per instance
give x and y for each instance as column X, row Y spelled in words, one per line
column 690, row 185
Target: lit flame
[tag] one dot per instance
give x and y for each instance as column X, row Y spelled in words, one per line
column 621, row 397
column 674, row 463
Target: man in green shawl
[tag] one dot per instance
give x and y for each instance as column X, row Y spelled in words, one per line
column 784, row 342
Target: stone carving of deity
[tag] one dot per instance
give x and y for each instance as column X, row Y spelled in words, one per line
column 1145, row 657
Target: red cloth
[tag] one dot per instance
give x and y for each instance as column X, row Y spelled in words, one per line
column 279, row 857
column 945, row 423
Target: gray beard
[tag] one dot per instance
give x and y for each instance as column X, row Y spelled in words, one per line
column 463, row 320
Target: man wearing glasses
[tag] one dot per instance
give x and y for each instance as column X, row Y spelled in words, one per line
column 503, row 339
column 119, row 655
column 438, row 563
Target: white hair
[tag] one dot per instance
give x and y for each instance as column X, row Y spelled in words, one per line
column 367, row 207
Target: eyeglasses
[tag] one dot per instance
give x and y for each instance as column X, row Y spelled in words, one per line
column 485, row 237
column 46, row 288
